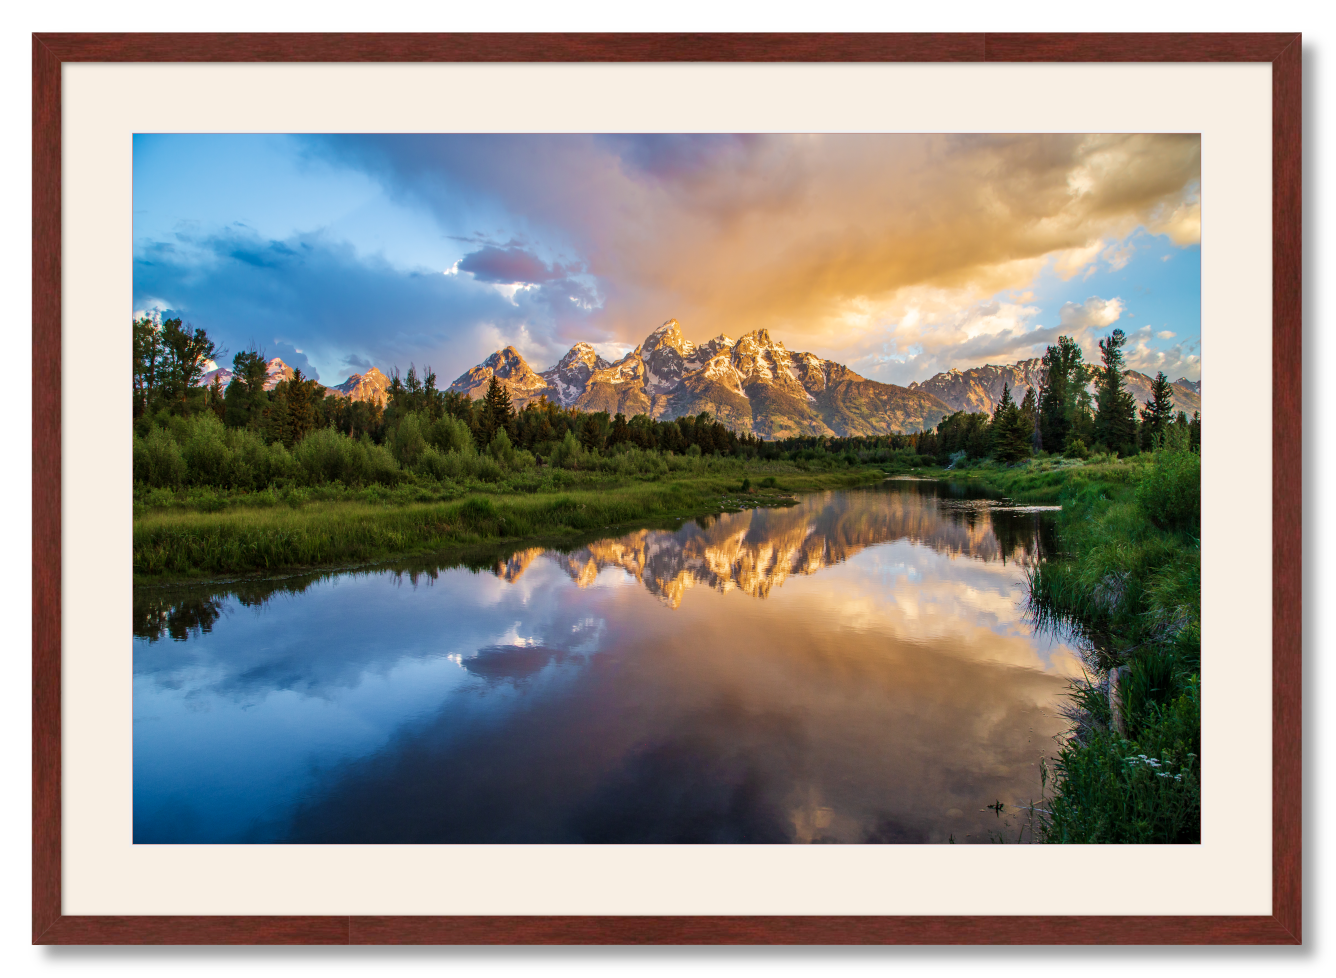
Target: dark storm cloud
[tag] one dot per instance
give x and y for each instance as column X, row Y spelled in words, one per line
column 318, row 296
column 507, row 265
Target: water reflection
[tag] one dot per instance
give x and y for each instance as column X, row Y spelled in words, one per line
column 885, row 688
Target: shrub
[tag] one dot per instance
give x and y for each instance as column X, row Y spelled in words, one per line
column 158, row 461
column 1170, row 490
column 449, row 434
column 1076, row 448
column 570, row 454
column 409, row 443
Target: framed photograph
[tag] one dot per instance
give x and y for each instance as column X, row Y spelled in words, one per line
column 583, row 489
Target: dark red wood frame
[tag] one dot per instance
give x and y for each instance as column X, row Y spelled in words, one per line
column 1283, row 51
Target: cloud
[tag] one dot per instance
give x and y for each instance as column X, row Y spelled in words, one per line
column 508, row 266
column 1166, row 334
column 346, row 312
column 895, row 253
column 810, row 235
column 1094, row 313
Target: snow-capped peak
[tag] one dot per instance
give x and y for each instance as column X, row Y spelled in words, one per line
column 668, row 335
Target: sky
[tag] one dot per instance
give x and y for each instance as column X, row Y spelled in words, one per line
column 899, row 255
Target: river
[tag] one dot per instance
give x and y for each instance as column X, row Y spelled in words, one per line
column 856, row 668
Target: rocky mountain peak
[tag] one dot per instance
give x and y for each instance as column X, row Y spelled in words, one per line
column 370, row 386
column 751, row 384
column 277, row 372
column 668, row 336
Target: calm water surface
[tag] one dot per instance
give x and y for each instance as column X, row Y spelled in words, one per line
column 855, row 668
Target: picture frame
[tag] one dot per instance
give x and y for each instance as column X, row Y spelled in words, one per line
column 50, row 925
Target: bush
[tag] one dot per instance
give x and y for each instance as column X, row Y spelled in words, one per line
column 409, row 444
column 328, row 456
column 1170, row 490
column 158, row 461
column 449, row 434
column 1076, row 448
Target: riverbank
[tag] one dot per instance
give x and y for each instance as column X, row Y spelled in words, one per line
column 201, row 535
column 1128, row 582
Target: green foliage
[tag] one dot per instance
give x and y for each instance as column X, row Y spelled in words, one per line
column 497, row 411
column 1012, row 434
column 1170, row 493
column 965, row 432
column 1158, row 414
column 1063, row 399
column 158, row 460
column 1076, row 448
column 408, row 442
column 1131, row 588
column 1144, row 790
column 449, row 434
column 1115, row 413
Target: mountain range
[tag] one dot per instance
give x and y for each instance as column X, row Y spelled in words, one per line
column 755, row 384
column 369, row 386
column 751, row 384
column 980, row 388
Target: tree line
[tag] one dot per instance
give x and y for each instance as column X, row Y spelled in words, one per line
column 1058, row 417
column 1061, row 417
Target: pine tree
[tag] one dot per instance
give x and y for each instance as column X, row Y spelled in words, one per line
column 497, row 411
column 245, row 397
column 301, row 412
column 1115, row 411
column 1060, row 394
column 1030, row 419
column 1011, row 435
column 1158, row 413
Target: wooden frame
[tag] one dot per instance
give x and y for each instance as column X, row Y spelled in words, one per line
column 1282, row 51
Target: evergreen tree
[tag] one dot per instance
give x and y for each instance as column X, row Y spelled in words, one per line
column 1194, row 428
column 1062, row 394
column 147, row 363
column 1030, row 419
column 216, row 403
column 185, row 352
column 301, row 420
column 1158, row 413
column 245, row 397
column 1011, row 436
column 1115, row 411
column 497, row 411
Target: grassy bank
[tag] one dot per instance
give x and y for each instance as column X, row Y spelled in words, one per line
column 212, row 534
column 1129, row 584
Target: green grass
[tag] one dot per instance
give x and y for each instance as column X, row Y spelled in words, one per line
column 215, row 535
column 1129, row 585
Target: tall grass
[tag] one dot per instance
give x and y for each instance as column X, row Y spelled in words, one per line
column 305, row 530
column 1129, row 584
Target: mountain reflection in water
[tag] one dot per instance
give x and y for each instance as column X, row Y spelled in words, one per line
column 854, row 668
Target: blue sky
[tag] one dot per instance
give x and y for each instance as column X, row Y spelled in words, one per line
column 898, row 255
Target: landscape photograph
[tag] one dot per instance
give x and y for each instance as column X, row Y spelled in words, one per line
column 667, row 488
